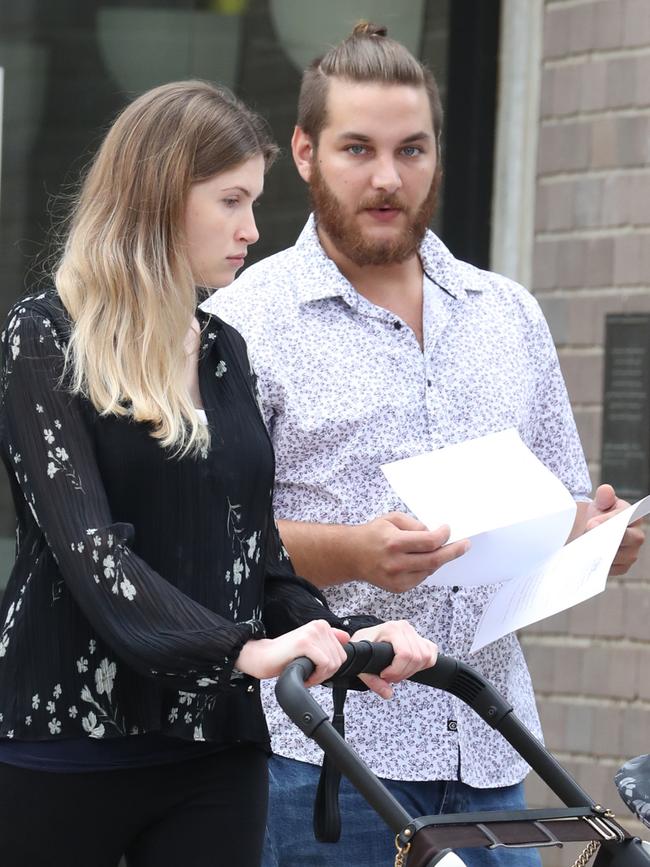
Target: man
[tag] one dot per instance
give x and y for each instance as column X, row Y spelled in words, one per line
column 373, row 343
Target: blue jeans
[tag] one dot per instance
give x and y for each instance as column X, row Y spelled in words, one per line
column 365, row 839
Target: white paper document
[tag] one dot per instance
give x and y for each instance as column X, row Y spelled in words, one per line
column 575, row 573
column 495, row 492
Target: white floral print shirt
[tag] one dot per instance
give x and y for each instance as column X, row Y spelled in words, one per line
column 345, row 388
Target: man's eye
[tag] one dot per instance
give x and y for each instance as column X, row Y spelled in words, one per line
column 357, row 149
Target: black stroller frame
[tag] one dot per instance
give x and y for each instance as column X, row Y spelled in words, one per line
column 422, row 841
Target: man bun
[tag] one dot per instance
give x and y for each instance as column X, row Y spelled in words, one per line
column 367, row 28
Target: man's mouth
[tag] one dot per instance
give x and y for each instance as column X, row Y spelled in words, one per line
column 384, row 213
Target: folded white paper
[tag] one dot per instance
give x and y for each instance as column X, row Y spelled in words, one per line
column 493, row 491
column 573, row 574
column 517, row 515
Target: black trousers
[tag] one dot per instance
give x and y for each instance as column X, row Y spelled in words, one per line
column 203, row 812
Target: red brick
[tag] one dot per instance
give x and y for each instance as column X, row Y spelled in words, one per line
column 642, row 98
column 581, row 721
column 567, row 89
column 604, row 615
column 636, row 23
column 541, row 662
column 608, row 729
column 587, row 194
column 553, row 716
column 642, row 668
column 621, row 82
column 583, row 375
column 556, row 32
column 608, row 25
column 589, row 422
column 593, row 91
column 604, row 143
column 582, row 28
column 628, row 260
column 544, row 265
column 637, row 612
column 571, row 263
column 610, row 671
column 558, row 200
column 557, row 624
column 635, row 191
column 580, row 319
column 568, row 263
column 547, row 91
column 565, row 147
column 633, row 141
column 636, row 731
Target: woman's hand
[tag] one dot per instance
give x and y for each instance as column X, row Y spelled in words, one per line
column 320, row 642
column 412, row 653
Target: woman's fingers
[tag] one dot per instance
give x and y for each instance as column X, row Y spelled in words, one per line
column 412, row 651
column 324, row 646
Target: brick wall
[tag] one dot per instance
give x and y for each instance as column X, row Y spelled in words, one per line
column 591, row 665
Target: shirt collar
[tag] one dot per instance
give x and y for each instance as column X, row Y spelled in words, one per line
column 324, row 280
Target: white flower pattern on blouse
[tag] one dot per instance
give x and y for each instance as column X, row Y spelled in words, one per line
column 346, row 387
column 134, row 638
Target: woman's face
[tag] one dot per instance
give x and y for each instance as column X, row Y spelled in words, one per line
column 219, row 222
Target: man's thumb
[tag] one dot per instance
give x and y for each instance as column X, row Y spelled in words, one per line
column 605, row 498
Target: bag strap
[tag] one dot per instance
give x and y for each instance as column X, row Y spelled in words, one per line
column 327, row 816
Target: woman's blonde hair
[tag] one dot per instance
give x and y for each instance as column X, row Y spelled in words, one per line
column 124, row 274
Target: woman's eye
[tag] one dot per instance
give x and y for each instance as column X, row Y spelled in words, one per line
column 230, row 203
column 411, row 151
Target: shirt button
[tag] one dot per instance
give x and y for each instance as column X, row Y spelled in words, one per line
column 429, row 383
column 452, row 725
column 455, row 588
column 397, row 326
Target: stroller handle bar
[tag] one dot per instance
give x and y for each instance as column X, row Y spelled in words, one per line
column 447, row 674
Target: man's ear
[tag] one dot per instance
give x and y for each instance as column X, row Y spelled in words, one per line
column 303, row 150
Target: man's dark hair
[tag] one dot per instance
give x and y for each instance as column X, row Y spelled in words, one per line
column 368, row 54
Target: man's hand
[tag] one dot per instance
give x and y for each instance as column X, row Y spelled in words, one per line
column 412, row 653
column 394, row 552
column 604, row 506
column 397, row 552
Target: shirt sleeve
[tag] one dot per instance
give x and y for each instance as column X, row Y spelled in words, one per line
column 155, row 628
column 555, row 438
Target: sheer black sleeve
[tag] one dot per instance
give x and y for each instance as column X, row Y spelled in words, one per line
column 150, row 624
column 291, row 601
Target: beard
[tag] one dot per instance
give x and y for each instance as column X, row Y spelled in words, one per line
column 342, row 227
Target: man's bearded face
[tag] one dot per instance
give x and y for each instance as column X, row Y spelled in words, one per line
column 342, row 223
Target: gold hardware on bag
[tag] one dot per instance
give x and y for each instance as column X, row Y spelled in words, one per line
column 585, row 856
column 402, row 852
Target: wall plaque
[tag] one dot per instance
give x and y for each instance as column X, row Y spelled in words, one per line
column 625, row 458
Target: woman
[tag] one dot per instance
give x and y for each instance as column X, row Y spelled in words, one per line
column 149, row 569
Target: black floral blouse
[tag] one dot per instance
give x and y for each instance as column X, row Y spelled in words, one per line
column 138, row 576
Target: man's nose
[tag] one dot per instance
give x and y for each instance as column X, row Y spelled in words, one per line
column 386, row 175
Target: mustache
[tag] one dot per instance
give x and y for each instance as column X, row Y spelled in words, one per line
column 385, row 200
